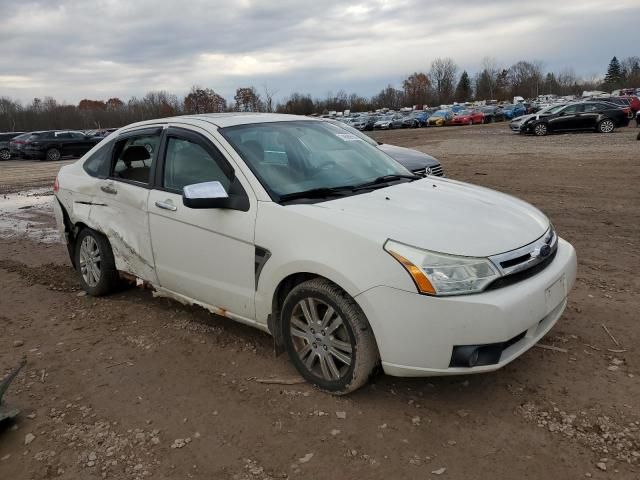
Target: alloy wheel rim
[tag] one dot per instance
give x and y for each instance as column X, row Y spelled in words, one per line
column 5, row 155
column 541, row 129
column 321, row 339
column 54, row 155
column 90, row 261
column 607, row 126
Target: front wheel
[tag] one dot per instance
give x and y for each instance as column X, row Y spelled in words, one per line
column 328, row 337
column 540, row 130
column 606, row 126
column 95, row 263
column 5, row 154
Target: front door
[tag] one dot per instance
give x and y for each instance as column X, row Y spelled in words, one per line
column 207, row 255
column 566, row 119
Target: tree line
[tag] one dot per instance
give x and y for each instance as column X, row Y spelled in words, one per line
column 443, row 83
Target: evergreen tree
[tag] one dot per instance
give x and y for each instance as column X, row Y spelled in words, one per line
column 463, row 90
column 614, row 74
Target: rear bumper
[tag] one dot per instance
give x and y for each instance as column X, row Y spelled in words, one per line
column 417, row 334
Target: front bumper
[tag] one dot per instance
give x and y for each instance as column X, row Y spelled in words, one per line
column 416, row 334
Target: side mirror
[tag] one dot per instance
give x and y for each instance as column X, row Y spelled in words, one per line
column 205, row 195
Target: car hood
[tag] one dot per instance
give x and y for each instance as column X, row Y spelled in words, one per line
column 437, row 214
column 410, row 159
column 523, row 118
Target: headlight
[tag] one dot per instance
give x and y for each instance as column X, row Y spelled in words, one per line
column 440, row 274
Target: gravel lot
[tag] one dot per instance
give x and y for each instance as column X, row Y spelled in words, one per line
column 132, row 386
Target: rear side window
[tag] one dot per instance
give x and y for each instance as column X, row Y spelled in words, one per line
column 134, row 157
column 187, row 163
column 97, row 165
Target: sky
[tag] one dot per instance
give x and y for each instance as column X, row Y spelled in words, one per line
column 99, row 49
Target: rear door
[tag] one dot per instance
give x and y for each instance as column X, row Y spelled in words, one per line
column 207, row 255
column 589, row 115
column 119, row 209
column 78, row 144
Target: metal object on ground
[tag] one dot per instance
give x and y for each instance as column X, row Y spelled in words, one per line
column 6, row 412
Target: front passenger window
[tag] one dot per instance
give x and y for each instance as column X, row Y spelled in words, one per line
column 187, row 163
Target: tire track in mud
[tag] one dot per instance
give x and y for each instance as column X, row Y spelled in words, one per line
column 54, row 276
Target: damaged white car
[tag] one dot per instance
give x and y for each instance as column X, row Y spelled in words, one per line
column 300, row 228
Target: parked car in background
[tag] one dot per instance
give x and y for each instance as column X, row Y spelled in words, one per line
column 416, row 162
column 627, row 101
column 101, row 133
column 492, row 114
column 416, row 119
column 595, row 116
column 388, row 122
column 5, row 138
column 440, row 118
column 513, row 111
column 365, row 122
column 516, row 123
column 16, row 144
column 467, row 117
column 350, row 261
column 55, row 144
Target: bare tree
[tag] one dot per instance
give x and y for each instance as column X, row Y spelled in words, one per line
column 269, row 93
column 443, row 78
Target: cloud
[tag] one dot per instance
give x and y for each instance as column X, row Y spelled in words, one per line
column 73, row 49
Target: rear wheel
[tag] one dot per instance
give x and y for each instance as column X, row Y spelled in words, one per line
column 5, row 154
column 540, row 129
column 328, row 337
column 53, row 154
column 95, row 263
column 606, row 126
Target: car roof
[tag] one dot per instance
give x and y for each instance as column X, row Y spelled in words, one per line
column 222, row 120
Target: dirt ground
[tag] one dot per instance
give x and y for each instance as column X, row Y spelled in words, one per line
column 132, row 386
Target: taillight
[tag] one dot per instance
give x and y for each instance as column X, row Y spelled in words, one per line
column 56, row 185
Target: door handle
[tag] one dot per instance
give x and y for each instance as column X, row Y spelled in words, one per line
column 108, row 189
column 167, row 205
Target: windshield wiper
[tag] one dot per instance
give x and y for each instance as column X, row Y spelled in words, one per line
column 384, row 179
column 321, row 192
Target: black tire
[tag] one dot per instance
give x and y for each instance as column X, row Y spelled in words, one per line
column 5, row 154
column 108, row 278
column 606, row 126
column 53, row 155
column 540, row 129
column 353, row 331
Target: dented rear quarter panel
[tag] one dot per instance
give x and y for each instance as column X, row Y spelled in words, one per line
column 121, row 218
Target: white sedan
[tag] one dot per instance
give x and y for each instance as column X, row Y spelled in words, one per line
column 302, row 229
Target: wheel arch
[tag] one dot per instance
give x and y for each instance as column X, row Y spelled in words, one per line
column 282, row 289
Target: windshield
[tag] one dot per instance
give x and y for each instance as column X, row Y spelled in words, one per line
column 298, row 156
column 552, row 108
column 440, row 113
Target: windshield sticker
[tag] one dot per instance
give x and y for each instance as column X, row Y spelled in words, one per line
column 348, row 137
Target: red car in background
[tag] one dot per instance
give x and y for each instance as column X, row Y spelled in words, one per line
column 467, row 117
